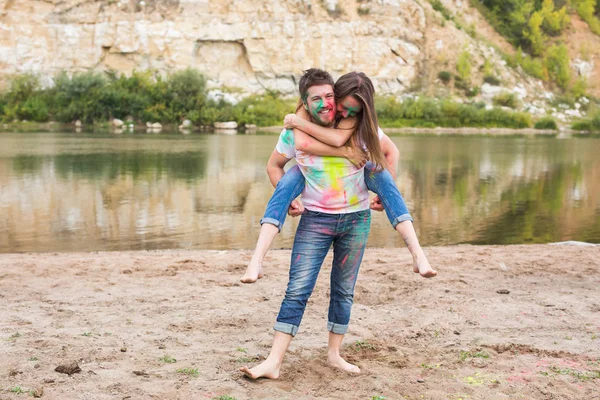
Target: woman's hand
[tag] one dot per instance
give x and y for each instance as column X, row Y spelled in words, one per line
column 357, row 156
column 288, row 121
column 296, row 208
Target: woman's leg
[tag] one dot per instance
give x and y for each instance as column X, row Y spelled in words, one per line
column 348, row 250
column 288, row 188
column 382, row 183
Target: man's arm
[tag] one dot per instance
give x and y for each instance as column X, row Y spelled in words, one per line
column 391, row 154
column 335, row 137
column 275, row 167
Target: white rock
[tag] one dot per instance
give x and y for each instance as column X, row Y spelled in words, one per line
column 583, row 68
column 148, row 124
column 573, row 113
column 157, row 125
column 78, row 123
column 520, row 91
column 226, row 125
column 117, row 123
column 186, row 123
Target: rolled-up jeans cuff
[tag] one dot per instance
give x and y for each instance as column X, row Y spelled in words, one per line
column 286, row 328
column 272, row 222
column 402, row 218
column 338, row 329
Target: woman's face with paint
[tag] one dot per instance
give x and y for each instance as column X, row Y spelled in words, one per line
column 320, row 104
column 349, row 107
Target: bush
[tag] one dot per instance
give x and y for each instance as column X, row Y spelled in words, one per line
column 439, row 7
column 579, row 88
column 425, row 112
column 582, row 126
column 492, row 80
column 557, row 63
column 554, row 21
column 533, row 34
column 188, row 91
column 444, row 76
column 589, row 10
column 463, row 65
column 591, row 124
column 546, row 123
column 506, row 99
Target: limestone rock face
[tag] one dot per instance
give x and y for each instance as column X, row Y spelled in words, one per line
column 253, row 45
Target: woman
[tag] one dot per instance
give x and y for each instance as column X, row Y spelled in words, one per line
column 355, row 127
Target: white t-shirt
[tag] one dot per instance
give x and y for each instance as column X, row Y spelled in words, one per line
column 333, row 184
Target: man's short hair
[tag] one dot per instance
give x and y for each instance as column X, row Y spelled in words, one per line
column 313, row 77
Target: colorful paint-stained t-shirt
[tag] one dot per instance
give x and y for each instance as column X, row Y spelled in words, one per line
column 333, row 184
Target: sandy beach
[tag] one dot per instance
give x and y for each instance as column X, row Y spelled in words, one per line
column 499, row 322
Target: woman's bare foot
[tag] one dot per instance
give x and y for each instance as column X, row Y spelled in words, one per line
column 421, row 266
column 253, row 273
column 337, row 361
column 267, row 369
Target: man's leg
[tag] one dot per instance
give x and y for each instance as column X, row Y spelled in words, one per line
column 289, row 187
column 312, row 241
column 382, row 183
column 270, row 367
column 348, row 250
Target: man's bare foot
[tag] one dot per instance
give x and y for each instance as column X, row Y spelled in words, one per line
column 266, row 369
column 253, row 273
column 337, row 361
column 423, row 268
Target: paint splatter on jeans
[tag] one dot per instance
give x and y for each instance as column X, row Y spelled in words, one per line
column 316, row 233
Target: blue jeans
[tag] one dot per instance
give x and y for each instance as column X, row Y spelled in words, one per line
column 315, row 234
column 291, row 186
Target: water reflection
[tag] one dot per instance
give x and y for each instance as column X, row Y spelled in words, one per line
column 67, row 192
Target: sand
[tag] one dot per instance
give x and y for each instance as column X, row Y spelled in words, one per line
column 499, row 322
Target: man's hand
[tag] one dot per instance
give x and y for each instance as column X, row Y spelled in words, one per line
column 288, row 121
column 376, row 204
column 296, row 208
column 357, row 156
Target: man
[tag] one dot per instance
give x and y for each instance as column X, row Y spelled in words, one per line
column 337, row 213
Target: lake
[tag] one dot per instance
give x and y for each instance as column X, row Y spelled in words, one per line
column 101, row 191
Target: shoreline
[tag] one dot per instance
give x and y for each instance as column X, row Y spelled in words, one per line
column 55, row 126
column 497, row 321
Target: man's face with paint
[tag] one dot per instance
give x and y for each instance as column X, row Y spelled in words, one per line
column 349, row 107
column 320, row 104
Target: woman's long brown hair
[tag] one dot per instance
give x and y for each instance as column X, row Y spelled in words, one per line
column 358, row 85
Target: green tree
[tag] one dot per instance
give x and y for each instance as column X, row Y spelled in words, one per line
column 463, row 66
column 557, row 64
column 533, row 33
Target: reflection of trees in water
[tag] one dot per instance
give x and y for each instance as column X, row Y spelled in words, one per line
column 472, row 191
column 28, row 164
column 501, row 190
column 530, row 210
column 140, row 165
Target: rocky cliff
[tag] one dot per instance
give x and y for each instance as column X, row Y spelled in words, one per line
column 252, row 45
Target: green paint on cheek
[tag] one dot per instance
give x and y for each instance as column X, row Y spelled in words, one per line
column 315, row 108
column 352, row 111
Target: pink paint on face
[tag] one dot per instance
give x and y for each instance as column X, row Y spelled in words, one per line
column 320, row 104
column 349, row 106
